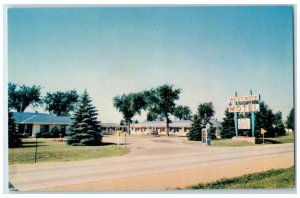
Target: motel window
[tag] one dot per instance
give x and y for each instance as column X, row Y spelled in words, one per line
column 63, row 129
column 44, row 128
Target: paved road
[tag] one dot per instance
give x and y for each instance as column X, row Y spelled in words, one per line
column 148, row 156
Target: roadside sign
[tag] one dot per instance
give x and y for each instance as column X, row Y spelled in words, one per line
column 244, row 123
column 263, row 131
column 118, row 134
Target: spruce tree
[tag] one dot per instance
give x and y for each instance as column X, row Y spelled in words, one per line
column 204, row 113
column 85, row 129
column 13, row 137
column 195, row 133
column 290, row 122
column 264, row 119
column 228, row 130
column 279, row 127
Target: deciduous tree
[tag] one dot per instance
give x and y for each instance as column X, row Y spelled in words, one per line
column 183, row 112
column 20, row 99
column 129, row 105
column 161, row 101
column 60, row 103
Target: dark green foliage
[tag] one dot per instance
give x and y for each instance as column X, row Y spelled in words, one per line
column 202, row 117
column 54, row 133
column 205, row 112
column 23, row 97
column 122, row 123
column 195, row 133
column 264, row 119
column 281, row 178
column 129, row 105
column 279, row 127
column 13, row 137
column 60, row 103
column 85, row 129
column 290, row 122
column 152, row 116
column 183, row 112
column 227, row 130
column 161, row 102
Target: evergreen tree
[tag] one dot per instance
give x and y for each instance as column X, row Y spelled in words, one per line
column 290, row 121
column 264, row 120
column 85, row 129
column 279, row 127
column 195, row 132
column 227, row 130
column 13, row 137
column 203, row 116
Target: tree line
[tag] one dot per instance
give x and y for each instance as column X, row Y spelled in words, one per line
column 264, row 119
column 58, row 103
column 85, row 128
column 159, row 103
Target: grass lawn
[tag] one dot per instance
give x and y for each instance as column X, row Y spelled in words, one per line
column 273, row 179
column 51, row 151
column 280, row 140
column 229, row 142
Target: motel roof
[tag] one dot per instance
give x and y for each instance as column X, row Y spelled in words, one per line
column 39, row 118
column 176, row 123
column 110, row 125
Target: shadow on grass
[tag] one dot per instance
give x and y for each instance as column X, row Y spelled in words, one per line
column 32, row 144
column 28, row 146
column 110, row 143
column 268, row 141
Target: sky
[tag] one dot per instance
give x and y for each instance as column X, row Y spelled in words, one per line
column 207, row 52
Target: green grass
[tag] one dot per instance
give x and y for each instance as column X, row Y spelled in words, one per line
column 191, row 142
column 229, row 142
column 51, row 151
column 280, row 140
column 273, row 179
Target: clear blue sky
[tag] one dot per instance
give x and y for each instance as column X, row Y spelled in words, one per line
column 208, row 52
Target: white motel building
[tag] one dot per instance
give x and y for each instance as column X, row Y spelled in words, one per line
column 177, row 127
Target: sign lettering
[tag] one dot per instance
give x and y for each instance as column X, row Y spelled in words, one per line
column 244, row 99
column 244, row 108
column 244, row 123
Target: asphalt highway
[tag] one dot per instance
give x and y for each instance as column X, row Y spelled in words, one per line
column 148, row 156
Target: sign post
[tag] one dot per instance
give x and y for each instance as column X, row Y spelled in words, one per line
column 206, row 130
column 252, row 118
column 243, row 104
column 125, row 140
column 118, row 134
column 263, row 131
column 35, row 153
column 235, row 119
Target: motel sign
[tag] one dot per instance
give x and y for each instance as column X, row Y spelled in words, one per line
column 243, row 104
column 243, row 108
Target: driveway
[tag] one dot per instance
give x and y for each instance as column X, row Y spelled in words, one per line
column 153, row 163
